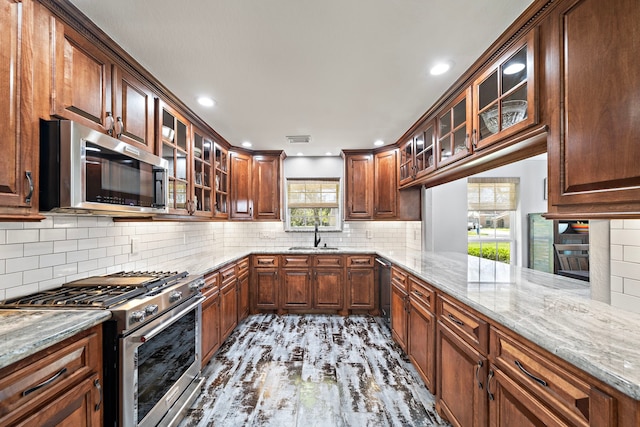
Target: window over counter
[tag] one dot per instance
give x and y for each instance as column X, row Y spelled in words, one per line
column 492, row 204
column 313, row 201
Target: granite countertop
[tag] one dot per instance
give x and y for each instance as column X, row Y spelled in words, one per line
column 26, row 332
column 555, row 312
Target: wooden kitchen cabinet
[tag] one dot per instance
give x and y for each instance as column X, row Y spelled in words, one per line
column 174, row 145
column 242, row 274
column 18, row 163
column 593, row 144
column 359, row 180
column 265, row 283
column 221, row 181
column 372, row 188
column 312, row 282
column 202, row 169
column 421, row 330
column 89, row 88
column 505, row 94
column 296, row 288
column 228, row 301
column 240, row 187
column 361, row 285
column 417, row 153
column 210, row 316
column 266, row 187
column 328, row 282
column 455, row 127
column 460, row 380
column 399, row 307
column 61, row 385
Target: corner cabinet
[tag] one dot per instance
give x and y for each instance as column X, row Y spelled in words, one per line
column 504, row 95
column 18, row 163
column 593, row 140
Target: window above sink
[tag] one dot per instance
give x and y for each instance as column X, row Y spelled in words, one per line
column 313, row 201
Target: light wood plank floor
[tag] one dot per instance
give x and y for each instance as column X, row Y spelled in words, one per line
column 311, row 370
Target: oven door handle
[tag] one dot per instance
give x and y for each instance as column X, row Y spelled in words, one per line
column 155, row 331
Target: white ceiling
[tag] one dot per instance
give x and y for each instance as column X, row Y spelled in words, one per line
column 346, row 72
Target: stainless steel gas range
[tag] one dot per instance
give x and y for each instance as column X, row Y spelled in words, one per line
column 151, row 345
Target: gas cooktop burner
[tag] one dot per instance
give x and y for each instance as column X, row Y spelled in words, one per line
column 100, row 291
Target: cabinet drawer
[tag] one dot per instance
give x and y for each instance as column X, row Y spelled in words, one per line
column 399, row 278
column 355, row 261
column 211, row 284
column 265, row 260
column 30, row 383
column 227, row 274
column 574, row 398
column 242, row 266
column 296, row 261
column 328, row 261
column 422, row 293
column 468, row 325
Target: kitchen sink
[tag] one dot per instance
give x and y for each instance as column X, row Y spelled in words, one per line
column 311, row 248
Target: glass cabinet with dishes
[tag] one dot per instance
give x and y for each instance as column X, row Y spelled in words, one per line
column 454, row 129
column 202, row 173
column 221, row 182
column 175, row 141
column 504, row 95
column 417, row 154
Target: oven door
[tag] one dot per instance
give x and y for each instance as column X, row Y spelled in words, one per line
column 158, row 363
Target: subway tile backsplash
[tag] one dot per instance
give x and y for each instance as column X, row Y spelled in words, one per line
column 42, row 255
column 625, row 264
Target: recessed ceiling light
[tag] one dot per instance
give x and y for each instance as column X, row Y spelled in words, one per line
column 300, row 154
column 328, row 153
column 378, row 143
column 440, row 68
column 205, row 101
column 246, row 144
column 514, row 68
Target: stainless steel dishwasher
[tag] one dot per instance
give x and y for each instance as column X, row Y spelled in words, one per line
column 383, row 268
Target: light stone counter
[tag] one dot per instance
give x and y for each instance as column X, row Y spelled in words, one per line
column 555, row 312
column 26, row 332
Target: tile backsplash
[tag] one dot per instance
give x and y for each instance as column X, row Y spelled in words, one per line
column 42, row 255
column 625, row 264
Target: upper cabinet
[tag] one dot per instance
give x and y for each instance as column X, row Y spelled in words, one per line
column 221, row 181
column 594, row 101
column 203, row 174
column 417, row 154
column 174, row 145
column 455, row 129
column 266, row 186
column 89, row 88
column 359, row 181
column 504, row 95
column 240, row 190
column 18, row 163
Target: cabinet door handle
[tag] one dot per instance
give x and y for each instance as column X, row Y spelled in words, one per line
column 466, row 142
column 474, row 139
column 489, row 378
column 109, row 123
column 420, row 294
column 30, row 179
column 478, row 366
column 349, row 275
column 454, row 320
column 530, row 375
column 120, row 127
column 276, row 275
column 96, row 383
column 45, row 382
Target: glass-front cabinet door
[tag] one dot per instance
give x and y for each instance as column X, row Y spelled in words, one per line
column 423, row 142
column 454, row 129
column 407, row 167
column 504, row 95
column 221, row 182
column 202, row 173
column 175, row 142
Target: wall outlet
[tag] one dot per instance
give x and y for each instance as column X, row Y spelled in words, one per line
column 369, row 234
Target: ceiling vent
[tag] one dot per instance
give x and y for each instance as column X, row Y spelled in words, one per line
column 299, row 139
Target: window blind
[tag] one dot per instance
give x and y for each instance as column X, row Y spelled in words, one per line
column 312, row 193
column 492, row 194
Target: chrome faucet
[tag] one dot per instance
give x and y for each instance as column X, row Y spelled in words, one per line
column 316, row 238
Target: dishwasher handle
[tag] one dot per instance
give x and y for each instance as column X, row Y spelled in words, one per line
column 383, row 262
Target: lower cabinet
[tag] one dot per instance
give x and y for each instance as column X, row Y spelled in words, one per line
column 243, row 288
column 296, row 288
column 210, row 317
column 399, row 307
column 421, row 329
column 361, row 284
column 61, row 385
column 461, row 375
column 228, row 301
column 328, row 288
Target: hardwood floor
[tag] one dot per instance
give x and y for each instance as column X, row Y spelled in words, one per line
column 311, row 370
